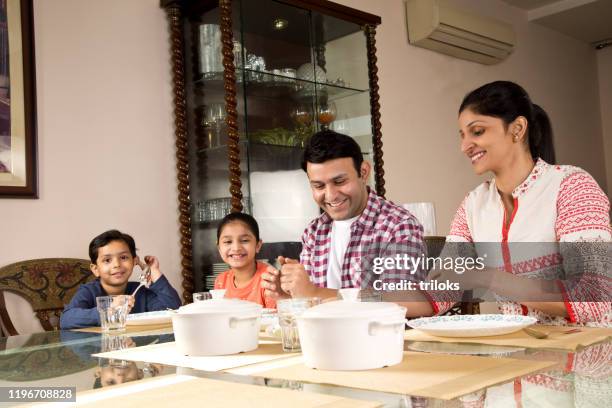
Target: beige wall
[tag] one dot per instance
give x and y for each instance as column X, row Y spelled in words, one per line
column 106, row 133
column 421, row 91
column 604, row 68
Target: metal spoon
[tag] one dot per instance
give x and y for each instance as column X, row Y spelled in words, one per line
column 543, row 335
column 144, row 279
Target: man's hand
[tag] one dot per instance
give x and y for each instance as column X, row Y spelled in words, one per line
column 272, row 285
column 294, row 279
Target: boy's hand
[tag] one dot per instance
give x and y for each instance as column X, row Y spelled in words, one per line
column 131, row 301
column 153, row 263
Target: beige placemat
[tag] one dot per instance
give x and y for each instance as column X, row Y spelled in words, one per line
column 186, row 391
column 130, row 328
column 168, row 354
column 556, row 339
column 419, row 374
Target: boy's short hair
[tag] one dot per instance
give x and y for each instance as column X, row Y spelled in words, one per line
column 246, row 219
column 329, row 145
column 106, row 238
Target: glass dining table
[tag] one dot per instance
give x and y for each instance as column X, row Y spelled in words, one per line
column 65, row 359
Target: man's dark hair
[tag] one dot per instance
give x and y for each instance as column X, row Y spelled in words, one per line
column 328, row 145
column 106, row 238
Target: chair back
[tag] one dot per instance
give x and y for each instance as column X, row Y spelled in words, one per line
column 47, row 284
column 435, row 244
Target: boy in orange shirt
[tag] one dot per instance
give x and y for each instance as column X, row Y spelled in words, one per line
column 238, row 243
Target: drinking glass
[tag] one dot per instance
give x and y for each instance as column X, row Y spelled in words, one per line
column 359, row 295
column 113, row 312
column 214, row 117
column 114, row 341
column 201, row 296
column 288, row 311
column 211, row 58
column 302, row 115
column 327, row 114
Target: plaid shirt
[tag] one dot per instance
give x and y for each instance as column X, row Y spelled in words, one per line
column 383, row 230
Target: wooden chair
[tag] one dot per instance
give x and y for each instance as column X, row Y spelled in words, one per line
column 47, row 284
column 435, row 245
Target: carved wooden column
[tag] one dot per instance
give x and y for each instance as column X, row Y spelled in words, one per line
column 370, row 32
column 231, row 120
column 173, row 12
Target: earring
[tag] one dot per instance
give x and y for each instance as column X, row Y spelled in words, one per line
column 516, row 138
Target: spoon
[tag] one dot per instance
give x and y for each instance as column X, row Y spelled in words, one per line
column 144, row 279
column 543, row 335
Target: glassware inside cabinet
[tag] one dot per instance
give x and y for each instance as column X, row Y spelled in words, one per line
column 296, row 71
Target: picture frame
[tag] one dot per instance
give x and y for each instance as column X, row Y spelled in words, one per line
column 18, row 135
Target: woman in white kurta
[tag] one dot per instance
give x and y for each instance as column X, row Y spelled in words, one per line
column 531, row 200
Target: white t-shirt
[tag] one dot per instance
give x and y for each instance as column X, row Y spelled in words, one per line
column 340, row 237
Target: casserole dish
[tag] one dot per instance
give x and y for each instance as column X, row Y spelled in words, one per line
column 217, row 327
column 350, row 335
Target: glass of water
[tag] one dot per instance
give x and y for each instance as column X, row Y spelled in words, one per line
column 201, row 296
column 288, row 311
column 113, row 312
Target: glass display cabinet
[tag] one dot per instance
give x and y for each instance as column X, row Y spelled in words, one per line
column 252, row 81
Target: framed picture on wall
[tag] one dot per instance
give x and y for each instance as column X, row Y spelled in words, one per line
column 18, row 167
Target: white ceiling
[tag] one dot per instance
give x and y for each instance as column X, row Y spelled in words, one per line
column 529, row 4
column 586, row 20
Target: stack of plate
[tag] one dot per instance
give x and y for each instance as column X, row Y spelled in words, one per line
column 214, row 270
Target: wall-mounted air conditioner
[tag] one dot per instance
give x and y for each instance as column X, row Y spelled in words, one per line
column 435, row 25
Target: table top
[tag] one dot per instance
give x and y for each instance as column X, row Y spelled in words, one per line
column 64, row 358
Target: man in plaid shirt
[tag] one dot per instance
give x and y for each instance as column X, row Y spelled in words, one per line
column 356, row 227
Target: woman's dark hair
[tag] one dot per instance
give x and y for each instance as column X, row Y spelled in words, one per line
column 106, row 238
column 246, row 219
column 329, row 145
column 507, row 101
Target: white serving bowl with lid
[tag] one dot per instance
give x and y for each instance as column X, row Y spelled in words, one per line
column 217, row 327
column 351, row 335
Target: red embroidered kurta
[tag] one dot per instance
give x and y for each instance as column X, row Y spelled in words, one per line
column 555, row 204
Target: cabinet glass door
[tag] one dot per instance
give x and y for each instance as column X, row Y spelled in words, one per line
column 297, row 71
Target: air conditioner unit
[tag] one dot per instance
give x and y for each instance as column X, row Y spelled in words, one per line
column 433, row 24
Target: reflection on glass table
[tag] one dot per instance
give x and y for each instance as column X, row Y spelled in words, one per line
column 41, row 358
column 581, row 378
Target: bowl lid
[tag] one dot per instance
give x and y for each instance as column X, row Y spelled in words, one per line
column 223, row 305
column 343, row 308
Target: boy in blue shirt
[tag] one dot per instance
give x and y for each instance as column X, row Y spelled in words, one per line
column 113, row 256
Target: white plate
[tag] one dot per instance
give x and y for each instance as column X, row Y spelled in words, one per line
column 141, row 319
column 471, row 325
